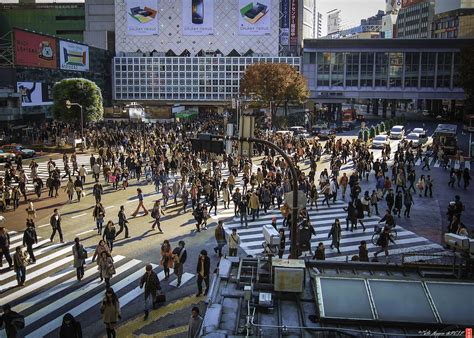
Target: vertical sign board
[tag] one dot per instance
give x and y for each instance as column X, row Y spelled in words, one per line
column 142, row 17
column 285, row 23
column 198, row 17
column 73, row 56
column 255, row 17
column 294, row 23
column 35, row 50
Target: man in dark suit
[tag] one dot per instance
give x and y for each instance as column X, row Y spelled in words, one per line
column 122, row 222
column 203, row 268
column 55, row 222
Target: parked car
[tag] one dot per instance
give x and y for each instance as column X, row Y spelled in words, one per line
column 397, row 132
column 297, row 130
column 315, row 130
column 419, row 131
column 18, row 149
column 380, row 141
column 4, row 156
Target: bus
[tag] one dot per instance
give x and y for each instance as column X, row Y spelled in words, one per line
column 445, row 138
column 468, row 123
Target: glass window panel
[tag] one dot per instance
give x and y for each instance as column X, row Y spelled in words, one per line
column 454, row 302
column 396, row 69
column 381, row 69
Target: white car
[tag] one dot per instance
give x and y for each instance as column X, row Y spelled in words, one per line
column 4, row 156
column 380, row 141
column 416, row 139
column 298, row 130
column 419, row 131
column 397, row 132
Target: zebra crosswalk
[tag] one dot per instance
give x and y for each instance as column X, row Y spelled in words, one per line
column 42, row 170
column 52, row 289
column 322, row 219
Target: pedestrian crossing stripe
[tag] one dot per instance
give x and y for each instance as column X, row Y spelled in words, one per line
column 52, row 290
column 322, row 220
column 184, row 278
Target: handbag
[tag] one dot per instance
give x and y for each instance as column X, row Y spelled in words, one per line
column 160, row 298
column 83, row 254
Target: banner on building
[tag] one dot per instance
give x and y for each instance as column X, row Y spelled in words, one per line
column 73, row 56
column 255, row 17
column 35, row 93
column 35, row 50
column 334, row 22
column 198, row 17
column 142, row 17
column 294, row 23
column 285, row 23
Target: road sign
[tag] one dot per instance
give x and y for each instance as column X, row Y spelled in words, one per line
column 302, row 202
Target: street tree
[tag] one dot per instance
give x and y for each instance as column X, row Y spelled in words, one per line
column 467, row 78
column 273, row 85
column 82, row 91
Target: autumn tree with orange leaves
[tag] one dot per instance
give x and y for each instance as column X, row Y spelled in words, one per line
column 273, row 85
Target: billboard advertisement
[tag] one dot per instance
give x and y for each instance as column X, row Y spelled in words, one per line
column 198, row 17
column 73, row 56
column 254, row 17
column 334, row 22
column 285, row 23
column 142, row 17
column 294, row 22
column 35, row 50
column 35, row 93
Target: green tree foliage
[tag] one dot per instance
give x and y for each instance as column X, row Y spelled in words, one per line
column 467, row 77
column 81, row 91
column 372, row 132
column 382, row 127
column 377, row 129
column 274, row 84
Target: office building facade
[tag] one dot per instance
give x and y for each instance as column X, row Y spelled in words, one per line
column 458, row 23
column 415, row 19
column 100, row 24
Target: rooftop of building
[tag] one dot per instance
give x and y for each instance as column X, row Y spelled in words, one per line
column 296, row 298
column 388, row 44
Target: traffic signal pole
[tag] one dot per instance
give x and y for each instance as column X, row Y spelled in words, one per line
column 294, row 179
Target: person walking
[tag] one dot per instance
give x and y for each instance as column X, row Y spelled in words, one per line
column 152, row 285
column 31, row 211
column 101, row 247
column 351, row 216
column 166, row 258
column 106, row 267
column 98, row 215
column 408, row 201
column 398, row 203
column 19, row 265
column 5, row 247
column 179, row 258
column 281, row 246
column 234, row 242
column 466, row 176
column 383, row 242
column 78, row 186
column 156, row 213
column 254, row 205
column 109, row 234
column 320, row 253
column 363, row 252
column 122, row 222
column 421, row 185
column 97, row 191
column 12, row 321
column 335, row 233
column 429, row 186
column 70, row 327
column 110, row 310
column 80, row 255
column 69, row 188
column 219, row 235
column 29, row 238
column 140, row 204
column 203, row 268
column 55, row 222
column 195, row 322
column 243, row 211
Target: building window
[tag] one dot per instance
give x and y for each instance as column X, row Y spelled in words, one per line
column 428, row 63
column 352, row 69
column 381, row 69
column 396, row 69
column 323, row 62
column 366, row 69
column 412, row 68
column 337, row 69
column 443, row 73
column 456, row 70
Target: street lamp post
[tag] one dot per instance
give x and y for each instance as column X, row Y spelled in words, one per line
column 69, row 104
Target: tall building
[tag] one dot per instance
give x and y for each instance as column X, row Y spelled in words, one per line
column 319, row 24
column 100, row 24
column 453, row 19
column 65, row 20
column 389, row 20
column 415, row 18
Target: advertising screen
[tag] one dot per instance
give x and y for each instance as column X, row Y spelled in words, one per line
column 35, row 50
column 35, row 93
column 254, row 17
column 198, row 17
column 142, row 17
column 74, row 56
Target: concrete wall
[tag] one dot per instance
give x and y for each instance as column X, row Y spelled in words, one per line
column 100, row 22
